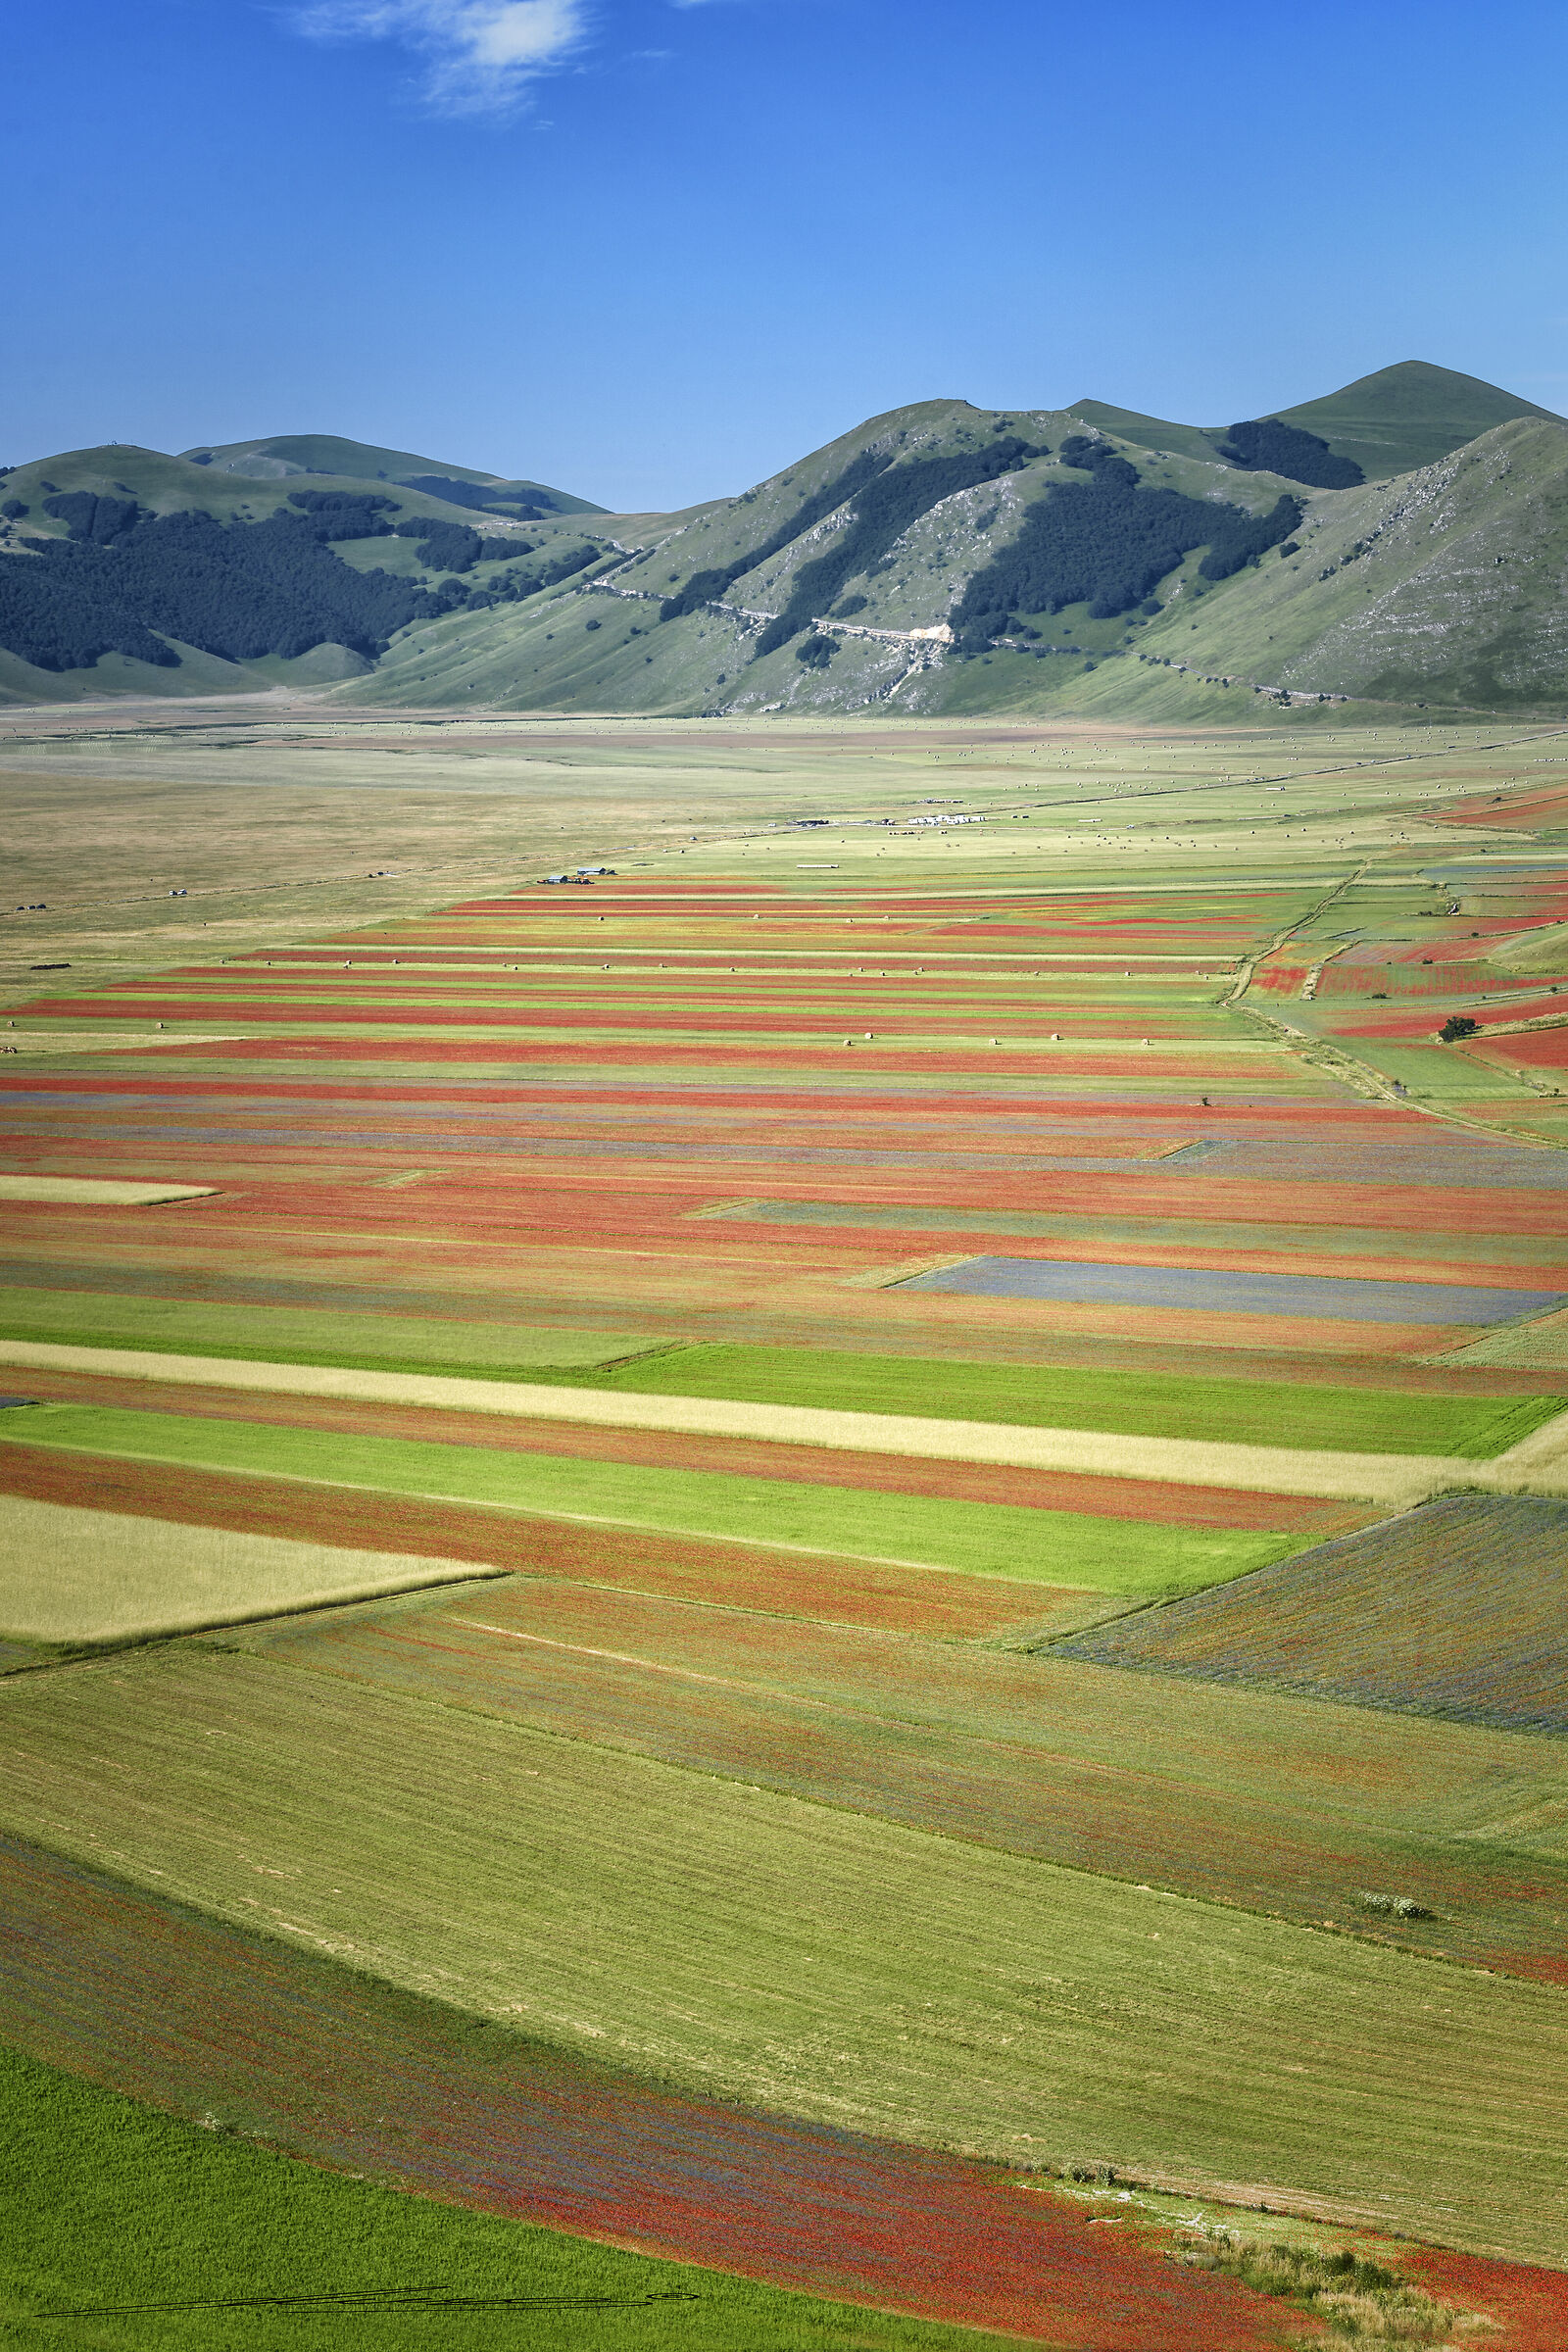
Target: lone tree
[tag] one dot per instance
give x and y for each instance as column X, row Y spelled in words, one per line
column 1457, row 1025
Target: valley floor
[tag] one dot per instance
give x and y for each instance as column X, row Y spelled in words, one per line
column 807, row 1593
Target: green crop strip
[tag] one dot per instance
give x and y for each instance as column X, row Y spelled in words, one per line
column 1135, row 1558
column 1133, row 1405
column 1291, row 1413
column 233, row 2240
column 290, row 1335
column 805, row 1958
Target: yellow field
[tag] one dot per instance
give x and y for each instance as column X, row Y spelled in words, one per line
column 70, row 1576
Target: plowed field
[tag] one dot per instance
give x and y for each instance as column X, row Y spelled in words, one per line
column 1459, row 1610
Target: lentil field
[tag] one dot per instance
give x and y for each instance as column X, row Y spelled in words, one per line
column 1030, row 1683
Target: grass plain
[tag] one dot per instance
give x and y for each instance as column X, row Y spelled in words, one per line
column 1231, row 1411
column 752, row 1809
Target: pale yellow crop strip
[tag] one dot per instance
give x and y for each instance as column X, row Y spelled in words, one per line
column 70, row 1575
column 103, row 1192
column 1540, row 1465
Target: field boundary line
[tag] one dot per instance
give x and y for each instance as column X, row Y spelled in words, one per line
column 1397, row 1479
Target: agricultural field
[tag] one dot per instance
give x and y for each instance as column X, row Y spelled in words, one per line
column 810, row 1594
column 1456, row 1609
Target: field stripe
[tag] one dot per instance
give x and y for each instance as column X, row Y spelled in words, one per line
column 735, row 1942
column 731, row 1572
column 1028, row 1547
column 1397, row 1480
column 68, row 1575
column 193, row 2016
column 97, row 1190
column 731, row 1457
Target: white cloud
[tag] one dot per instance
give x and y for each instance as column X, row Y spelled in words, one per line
column 482, row 53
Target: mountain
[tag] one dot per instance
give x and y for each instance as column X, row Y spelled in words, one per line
column 947, row 559
column 938, row 558
column 124, row 571
column 291, row 453
column 1403, row 416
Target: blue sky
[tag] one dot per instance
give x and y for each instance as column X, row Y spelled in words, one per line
column 651, row 251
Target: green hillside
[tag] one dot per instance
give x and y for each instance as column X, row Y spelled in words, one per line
column 939, row 557
column 287, row 455
column 1402, row 418
column 126, row 572
column 1147, row 433
column 879, row 536
column 1407, row 416
column 1446, row 586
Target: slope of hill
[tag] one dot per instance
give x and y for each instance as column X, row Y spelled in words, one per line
column 1402, row 417
column 124, row 571
column 937, row 557
column 879, row 536
column 1448, row 585
column 289, row 453
column 1408, row 415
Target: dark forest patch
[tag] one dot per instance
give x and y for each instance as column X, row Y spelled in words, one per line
column 273, row 587
column 1108, row 543
column 1264, row 445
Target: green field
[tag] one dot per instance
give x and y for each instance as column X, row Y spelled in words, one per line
column 1141, row 1558
column 1137, row 1404
column 730, row 1939
column 292, row 1335
column 191, row 2240
column 1292, row 1413
column 700, row 1789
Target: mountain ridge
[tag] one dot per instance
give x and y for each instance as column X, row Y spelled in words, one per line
column 284, row 455
column 1392, row 421
column 936, row 558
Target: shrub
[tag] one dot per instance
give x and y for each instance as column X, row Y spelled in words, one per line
column 816, row 652
column 848, row 605
column 1393, row 1906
